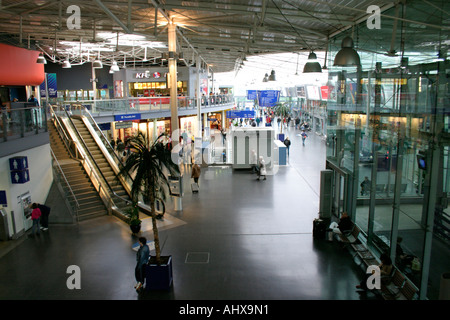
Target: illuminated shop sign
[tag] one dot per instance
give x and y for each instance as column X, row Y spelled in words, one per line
column 124, row 117
column 147, row 75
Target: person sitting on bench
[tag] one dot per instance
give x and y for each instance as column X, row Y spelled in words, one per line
column 344, row 225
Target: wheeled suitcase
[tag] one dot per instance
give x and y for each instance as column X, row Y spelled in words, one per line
column 319, row 228
column 194, row 187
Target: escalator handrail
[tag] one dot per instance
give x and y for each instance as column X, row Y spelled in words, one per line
column 93, row 160
column 106, row 142
column 60, row 128
column 145, row 209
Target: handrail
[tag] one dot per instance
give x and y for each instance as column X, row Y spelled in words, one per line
column 60, row 129
column 93, row 160
column 141, row 207
column 105, row 140
column 65, row 179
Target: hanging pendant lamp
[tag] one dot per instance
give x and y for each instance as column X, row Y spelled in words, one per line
column 97, row 64
column 312, row 65
column 347, row 56
column 41, row 59
column 66, row 64
column 115, row 67
column 272, row 76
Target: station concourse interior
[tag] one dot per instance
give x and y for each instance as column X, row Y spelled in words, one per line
column 375, row 99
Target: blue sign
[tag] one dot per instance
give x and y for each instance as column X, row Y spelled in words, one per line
column 51, row 84
column 20, row 176
column 249, row 114
column 104, row 126
column 268, row 98
column 18, row 163
column 252, row 95
column 130, row 116
column 3, row 201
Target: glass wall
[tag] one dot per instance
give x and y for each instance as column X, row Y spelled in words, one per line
column 388, row 135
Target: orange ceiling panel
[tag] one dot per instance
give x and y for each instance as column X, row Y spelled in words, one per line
column 18, row 67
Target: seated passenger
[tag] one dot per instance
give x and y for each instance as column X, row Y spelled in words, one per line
column 345, row 224
column 385, row 272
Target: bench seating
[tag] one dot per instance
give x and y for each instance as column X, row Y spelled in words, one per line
column 398, row 287
column 393, row 287
column 351, row 236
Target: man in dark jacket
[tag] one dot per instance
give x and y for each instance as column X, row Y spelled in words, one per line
column 287, row 143
column 45, row 211
column 142, row 257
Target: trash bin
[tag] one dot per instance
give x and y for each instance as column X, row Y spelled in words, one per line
column 4, row 233
column 444, row 290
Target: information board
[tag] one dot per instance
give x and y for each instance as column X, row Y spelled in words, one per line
column 268, row 98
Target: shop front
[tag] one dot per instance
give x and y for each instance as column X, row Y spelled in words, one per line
column 153, row 82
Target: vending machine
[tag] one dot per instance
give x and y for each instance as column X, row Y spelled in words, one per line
column 25, row 204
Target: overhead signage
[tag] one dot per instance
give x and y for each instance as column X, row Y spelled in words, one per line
column 248, row 114
column 124, row 117
column 148, row 75
column 124, row 125
column 268, row 98
column 252, row 95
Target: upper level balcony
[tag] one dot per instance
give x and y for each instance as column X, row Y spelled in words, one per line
column 22, row 126
column 153, row 107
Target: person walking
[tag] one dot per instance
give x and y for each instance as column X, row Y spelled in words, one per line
column 262, row 168
column 304, row 136
column 142, row 256
column 35, row 216
column 287, row 143
column 365, row 186
column 196, row 171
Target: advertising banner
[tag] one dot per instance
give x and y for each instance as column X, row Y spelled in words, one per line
column 52, row 87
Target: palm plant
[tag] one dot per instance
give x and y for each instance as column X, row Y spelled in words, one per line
column 282, row 110
column 148, row 163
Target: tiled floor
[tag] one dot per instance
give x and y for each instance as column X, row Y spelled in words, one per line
column 238, row 238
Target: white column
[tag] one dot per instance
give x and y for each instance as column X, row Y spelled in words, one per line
column 173, row 85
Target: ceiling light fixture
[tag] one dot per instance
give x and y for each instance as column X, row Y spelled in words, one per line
column 272, row 76
column 66, row 64
column 115, row 67
column 312, row 65
column 347, row 56
column 97, row 64
column 41, row 59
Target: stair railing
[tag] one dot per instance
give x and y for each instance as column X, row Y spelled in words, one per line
column 84, row 111
column 68, row 192
column 104, row 189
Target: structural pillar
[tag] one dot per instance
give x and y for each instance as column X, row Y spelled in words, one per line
column 173, row 84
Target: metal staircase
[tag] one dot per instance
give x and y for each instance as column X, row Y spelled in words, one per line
column 78, row 188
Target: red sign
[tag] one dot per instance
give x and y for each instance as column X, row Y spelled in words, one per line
column 324, row 91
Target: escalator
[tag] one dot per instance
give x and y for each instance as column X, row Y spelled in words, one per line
column 87, row 143
column 89, row 202
column 96, row 149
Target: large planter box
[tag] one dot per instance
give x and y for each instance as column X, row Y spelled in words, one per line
column 159, row 277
